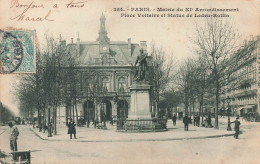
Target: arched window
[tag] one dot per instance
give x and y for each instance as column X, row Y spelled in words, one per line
column 121, row 84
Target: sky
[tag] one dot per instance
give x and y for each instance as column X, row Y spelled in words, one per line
column 170, row 33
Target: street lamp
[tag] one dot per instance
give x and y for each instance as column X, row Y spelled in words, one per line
column 228, row 101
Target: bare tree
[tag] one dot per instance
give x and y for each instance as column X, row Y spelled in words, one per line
column 184, row 80
column 215, row 38
column 159, row 74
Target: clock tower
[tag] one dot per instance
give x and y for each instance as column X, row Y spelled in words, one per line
column 102, row 36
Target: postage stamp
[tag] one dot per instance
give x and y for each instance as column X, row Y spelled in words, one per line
column 17, row 51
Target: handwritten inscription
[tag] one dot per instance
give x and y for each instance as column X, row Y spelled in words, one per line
column 24, row 15
column 73, row 4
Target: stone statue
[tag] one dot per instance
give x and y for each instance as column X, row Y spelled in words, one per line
column 141, row 65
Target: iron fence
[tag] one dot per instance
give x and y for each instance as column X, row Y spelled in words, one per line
column 141, row 124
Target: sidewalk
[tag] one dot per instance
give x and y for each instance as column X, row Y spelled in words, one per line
column 177, row 132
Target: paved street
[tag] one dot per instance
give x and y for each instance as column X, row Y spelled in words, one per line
column 209, row 150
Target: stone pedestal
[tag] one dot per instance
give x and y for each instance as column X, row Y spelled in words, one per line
column 140, row 107
column 139, row 116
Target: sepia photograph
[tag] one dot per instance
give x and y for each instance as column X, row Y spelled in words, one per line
column 129, row 82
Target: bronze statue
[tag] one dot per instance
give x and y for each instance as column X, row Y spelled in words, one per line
column 141, row 65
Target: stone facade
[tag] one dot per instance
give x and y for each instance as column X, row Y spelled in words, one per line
column 105, row 73
column 246, row 66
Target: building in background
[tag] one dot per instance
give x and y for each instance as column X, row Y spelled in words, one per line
column 243, row 84
column 104, row 73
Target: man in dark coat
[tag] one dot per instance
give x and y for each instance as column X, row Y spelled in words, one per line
column 198, row 121
column 186, row 121
column 209, row 121
column 237, row 124
column 72, row 129
column 174, row 118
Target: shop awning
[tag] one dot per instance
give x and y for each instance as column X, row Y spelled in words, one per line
column 248, row 106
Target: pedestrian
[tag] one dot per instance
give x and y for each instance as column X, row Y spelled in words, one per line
column 72, row 129
column 209, row 121
column 33, row 124
column 186, row 121
column 198, row 121
column 237, row 124
column 49, row 129
column 195, row 120
column 13, row 136
column 103, row 119
column 206, row 122
column 174, row 118
column 111, row 121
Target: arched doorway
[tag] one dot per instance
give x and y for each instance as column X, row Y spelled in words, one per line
column 122, row 109
column 106, row 107
column 89, row 111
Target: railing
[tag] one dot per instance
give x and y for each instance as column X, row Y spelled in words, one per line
column 141, row 124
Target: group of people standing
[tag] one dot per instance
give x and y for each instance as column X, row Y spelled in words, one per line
column 14, row 132
column 206, row 123
column 197, row 120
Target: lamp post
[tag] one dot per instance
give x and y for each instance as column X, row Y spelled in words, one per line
column 228, row 102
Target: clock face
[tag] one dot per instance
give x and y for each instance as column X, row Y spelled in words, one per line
column 104, row 48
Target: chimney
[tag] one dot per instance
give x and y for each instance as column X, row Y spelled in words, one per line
column 78, row 39
column 143, row 46
column 129, row 47
column 251, row 38
column 71, row 40
column 129, row 43
column 78, row 45
column 62, row 42
column 245, row 43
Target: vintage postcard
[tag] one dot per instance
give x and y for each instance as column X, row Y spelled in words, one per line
column 141, row 81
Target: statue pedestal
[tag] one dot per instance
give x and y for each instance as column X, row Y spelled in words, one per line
column 139, row 116
column 140, row 107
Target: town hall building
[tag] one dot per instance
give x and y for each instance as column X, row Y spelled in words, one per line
column 105, row 69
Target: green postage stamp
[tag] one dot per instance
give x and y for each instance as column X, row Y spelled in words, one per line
column 18, row 51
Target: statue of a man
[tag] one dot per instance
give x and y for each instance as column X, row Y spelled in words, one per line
column 141, row 65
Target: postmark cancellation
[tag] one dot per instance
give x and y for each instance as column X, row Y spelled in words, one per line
column 18, row 51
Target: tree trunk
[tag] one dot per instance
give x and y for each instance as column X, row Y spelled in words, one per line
column 39, row 119
column 217, row 100
column 67, row 113
column 190, row 109
column 76, row 110
column 193, row 104
column 55, row 120
column 44, row 120
column 49, row 122
column 73, row 108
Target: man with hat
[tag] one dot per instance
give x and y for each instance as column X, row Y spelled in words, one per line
column 13, row 136
column 237, row 124
column 72, row 129
column 186, row 121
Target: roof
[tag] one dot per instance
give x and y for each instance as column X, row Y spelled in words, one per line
column 115, row 53
column 88, row 53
